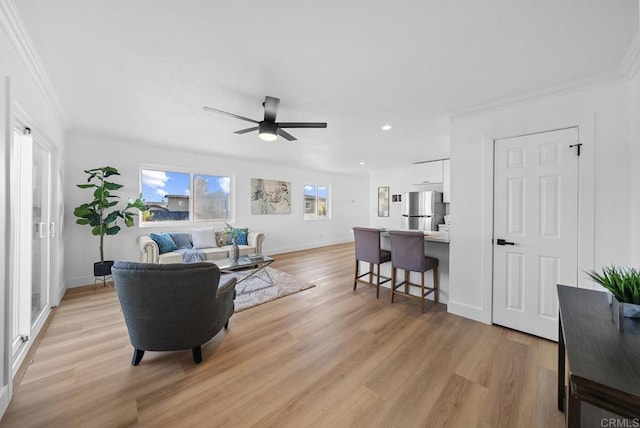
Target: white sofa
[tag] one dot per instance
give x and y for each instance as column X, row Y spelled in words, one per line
column 150, row 253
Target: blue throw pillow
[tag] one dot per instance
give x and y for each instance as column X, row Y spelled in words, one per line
column 242, row 237
column 164, row 241
column 181, row 239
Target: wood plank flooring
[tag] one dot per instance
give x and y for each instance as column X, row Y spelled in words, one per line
column 324, row 357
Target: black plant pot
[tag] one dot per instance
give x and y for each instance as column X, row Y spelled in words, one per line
column 102, row 268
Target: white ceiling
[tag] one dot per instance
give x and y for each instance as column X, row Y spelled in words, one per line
column 143, row 69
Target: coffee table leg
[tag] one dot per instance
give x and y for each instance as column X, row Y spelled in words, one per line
column 268, row 275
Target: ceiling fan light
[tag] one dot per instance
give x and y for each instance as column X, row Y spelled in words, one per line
column 267, row 131
column 267, row 136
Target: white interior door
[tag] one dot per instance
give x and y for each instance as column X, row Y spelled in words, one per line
column 535, row 228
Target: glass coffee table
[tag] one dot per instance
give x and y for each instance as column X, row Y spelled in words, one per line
column 253, row 266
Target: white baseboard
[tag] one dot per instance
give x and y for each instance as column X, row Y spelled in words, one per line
column 472, row 312
column 78, row 281
column 60, row 293
column 4, row 400
column 282, row 250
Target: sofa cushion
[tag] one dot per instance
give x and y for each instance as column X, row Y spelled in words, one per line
column 182, row 240
column 215, row 253
column 164, row 241
column 203, row 238
column 211, row 254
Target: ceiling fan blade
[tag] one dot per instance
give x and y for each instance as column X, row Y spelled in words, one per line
column 286, row 135
column 302, row 124
column 271, row 105
column 244, row 131
column 229, row 114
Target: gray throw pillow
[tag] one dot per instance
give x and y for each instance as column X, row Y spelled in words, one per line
column 182, row 240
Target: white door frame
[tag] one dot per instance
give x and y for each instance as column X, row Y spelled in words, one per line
column 20, row 120
column 6, row 379
column 586, row 198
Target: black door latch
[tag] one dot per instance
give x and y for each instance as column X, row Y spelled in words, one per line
column 503, row 242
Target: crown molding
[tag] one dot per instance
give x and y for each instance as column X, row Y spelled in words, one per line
column 627, row 70
column 549, row 92
column 13, row 26
column 630, row 64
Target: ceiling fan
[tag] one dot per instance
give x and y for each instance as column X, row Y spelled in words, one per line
column 268, row 129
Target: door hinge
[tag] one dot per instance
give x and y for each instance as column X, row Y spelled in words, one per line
column 578, row 146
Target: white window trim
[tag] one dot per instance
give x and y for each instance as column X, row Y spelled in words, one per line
column 316, row 217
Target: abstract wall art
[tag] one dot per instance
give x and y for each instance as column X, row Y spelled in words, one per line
column 270, row 196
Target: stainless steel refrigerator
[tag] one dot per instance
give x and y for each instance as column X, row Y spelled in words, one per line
column 422, row 210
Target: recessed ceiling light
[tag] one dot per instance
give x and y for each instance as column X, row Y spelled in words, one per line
column 361, row 163
column 386, row 127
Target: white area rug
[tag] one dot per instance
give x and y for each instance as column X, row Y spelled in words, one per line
column 255, row 291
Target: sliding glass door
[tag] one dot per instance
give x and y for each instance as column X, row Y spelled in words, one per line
column 42, row 231
column 30, row 238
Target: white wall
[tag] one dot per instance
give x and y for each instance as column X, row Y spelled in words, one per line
column 26, row 91
column 634, row 162
column 349, row 200
column 603, row 115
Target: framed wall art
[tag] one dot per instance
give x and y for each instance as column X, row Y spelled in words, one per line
column 270, row 196
column 383, row 201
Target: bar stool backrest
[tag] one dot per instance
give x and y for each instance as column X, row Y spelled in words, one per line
column 407, row 250
column 367, row 244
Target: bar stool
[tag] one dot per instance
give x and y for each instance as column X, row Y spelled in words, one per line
column 407, row 253
column 368, row 250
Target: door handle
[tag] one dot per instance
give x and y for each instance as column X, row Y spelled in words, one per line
column 503, row 242
column 41, row 234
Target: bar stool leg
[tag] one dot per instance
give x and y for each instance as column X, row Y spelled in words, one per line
column 378, row 283
column 406, row 281
column 435, row 284
column 422, row 291
column 355, row 278
column 393, row 282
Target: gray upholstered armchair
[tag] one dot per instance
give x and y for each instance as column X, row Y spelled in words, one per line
column 168, row 307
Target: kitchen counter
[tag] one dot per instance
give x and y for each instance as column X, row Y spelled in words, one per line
column 428, row 236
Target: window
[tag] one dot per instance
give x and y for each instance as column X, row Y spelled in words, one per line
column 181, row 196
column 211, row 197
column 316, row 201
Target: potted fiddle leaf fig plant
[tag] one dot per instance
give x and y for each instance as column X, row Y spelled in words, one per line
column 624, row 285
column 100, row 213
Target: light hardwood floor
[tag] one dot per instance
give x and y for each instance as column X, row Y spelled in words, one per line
column 325, row 357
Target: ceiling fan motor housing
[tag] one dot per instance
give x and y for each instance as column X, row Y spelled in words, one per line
column 268, row 130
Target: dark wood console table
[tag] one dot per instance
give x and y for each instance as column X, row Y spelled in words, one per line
column 603, row 364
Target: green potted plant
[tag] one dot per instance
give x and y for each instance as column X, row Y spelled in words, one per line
column 100, row 213
column 624, row 285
